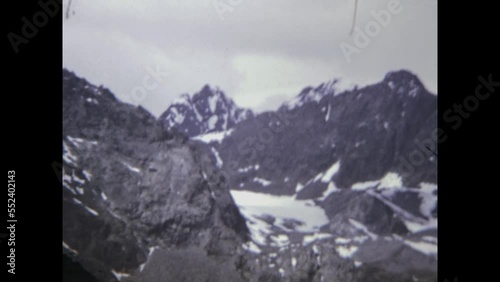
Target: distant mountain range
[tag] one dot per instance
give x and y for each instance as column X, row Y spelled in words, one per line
column 365, row 135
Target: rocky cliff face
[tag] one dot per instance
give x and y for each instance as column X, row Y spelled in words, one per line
column 130, row 187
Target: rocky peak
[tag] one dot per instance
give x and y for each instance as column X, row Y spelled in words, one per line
column 208, row 110
column 404, row 82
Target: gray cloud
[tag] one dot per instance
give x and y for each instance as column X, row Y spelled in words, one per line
column 261, row 49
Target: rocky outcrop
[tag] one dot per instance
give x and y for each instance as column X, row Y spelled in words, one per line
column 130, row 187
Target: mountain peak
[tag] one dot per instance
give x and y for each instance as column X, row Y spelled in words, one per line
column 208, row 110
column 334, row 86
column 404, row 81
column 402, row 74
column 207, row 90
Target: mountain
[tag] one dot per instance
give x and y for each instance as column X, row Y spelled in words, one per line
column 314, row 191
column 206, row 111
column 130, row 188
column 346, row 170
column 360, row 136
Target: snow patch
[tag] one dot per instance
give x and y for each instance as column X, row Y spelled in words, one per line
column 428, row 187
column 212, row 103
column 430, row 239
column 360, row 239
column 87, row 175
column 255, row 205
column 78, row 141
column 245, row 169
column 358, row 225
column 66, row 177
column 183, row 100
column 80, row 190
column 217, row 157
column 415, row 227
column 391, row 180
column 341, row 240
column 199, row 117
column 423, row 247
column 346, row 251
column 67, row 247
column 280, row 240
column 299, row 187
column 93, row 212
column 68, row 155
column 317, row 177
column 251, row 247
column 213, row 136
column 69, row 188
column 92, row 100
column 262, row 181
column 211, row 122
column 119, row 275
column 308, row 239
column 132, row 168
column 177, row 117
column 360, row 186
column 76, row 178
column 413, row 92
column 330, row 189
column 332, row 170
column 152, row 250
column 428, row 202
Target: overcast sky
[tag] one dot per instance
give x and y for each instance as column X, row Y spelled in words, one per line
column 258, row 52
